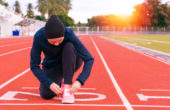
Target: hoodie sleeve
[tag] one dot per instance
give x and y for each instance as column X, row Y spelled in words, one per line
column 35, row 63
column 85, row 55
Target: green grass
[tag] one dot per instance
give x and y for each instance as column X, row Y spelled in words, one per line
column 156, row 42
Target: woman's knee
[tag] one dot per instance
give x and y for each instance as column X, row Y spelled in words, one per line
column 68, row 47
column 46, row 96
column 46, row 93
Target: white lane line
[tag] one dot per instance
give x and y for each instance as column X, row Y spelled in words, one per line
column 155, row 90
column 14, row 44
column 118, row 89
column 38, row 88
column 62, row 104
column 14, row 78
column 85, row 105
column 14, row 51
column 142, row 53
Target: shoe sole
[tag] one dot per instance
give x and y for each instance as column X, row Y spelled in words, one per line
column 67, row 102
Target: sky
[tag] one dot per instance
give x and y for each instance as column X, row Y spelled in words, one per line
column 84, row 9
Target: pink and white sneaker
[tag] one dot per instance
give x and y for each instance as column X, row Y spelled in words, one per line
column 68, row 97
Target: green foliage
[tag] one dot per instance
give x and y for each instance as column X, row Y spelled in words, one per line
column 30, row 13
column 67, row 21
column 151, row 13
column 90, row 22
column 40, row 18
column 17, row 7
column 168, row 11
column 4, row 3
column 51, row 7
column 159, row 14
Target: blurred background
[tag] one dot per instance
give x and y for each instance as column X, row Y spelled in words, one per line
column 24, row 18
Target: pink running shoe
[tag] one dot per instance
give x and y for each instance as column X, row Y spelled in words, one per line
column 68, row 97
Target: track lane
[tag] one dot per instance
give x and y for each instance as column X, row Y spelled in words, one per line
column 13, row 64
column 17, row 44
column 99, row 79
column 135, row 71
column 132, row 70
column 7, row 41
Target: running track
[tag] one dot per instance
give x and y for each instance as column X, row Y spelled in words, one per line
column 121, row 79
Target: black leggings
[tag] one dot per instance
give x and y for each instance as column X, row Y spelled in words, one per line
column 70, row 63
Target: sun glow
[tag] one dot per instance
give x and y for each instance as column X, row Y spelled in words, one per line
column 124, row 7
column 83, row 9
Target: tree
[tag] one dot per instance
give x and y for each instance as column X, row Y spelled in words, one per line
column 17, row 7
column 37, row 17
column 109, row 20
column 150, row 13
column 163, row 16
column 90, row 22
column 159, row 14
column 142, row 15
column 53, row 7
column 30, row 12
column 67, row 21
column 42, row 7
column 58, row 7
column 3, row 3
column 168, row 11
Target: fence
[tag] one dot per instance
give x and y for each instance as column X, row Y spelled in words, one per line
column 31, row 30
column 121, row 30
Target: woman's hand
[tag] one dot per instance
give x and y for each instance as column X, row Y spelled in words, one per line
column 55, row 88
column 75, row 87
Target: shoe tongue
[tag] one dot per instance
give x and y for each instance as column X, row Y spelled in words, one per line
column 67, row 91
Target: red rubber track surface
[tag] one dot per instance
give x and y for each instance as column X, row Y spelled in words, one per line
column 133, row 71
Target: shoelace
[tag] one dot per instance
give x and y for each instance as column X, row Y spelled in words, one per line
column 67, row 92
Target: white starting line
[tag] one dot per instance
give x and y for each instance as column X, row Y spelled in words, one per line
column 83, row 105
column 143, row 97
column 12, row 95
column 38, row 88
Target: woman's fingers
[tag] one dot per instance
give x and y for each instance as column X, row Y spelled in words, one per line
column 55, row 88
column 75, row 87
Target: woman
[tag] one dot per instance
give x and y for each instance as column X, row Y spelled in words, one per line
column 64, row 54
